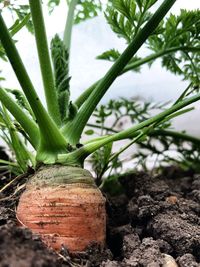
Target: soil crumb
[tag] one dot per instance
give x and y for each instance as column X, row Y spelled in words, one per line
column 154, row 222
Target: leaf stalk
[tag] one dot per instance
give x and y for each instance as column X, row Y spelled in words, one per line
column 131, row 66
column 50, row 137
column 85, row 151
column 69, row 24
column 44, row 59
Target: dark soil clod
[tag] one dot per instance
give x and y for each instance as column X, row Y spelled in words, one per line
column 156, row 217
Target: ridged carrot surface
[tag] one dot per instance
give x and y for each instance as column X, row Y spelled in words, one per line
column 69, row 214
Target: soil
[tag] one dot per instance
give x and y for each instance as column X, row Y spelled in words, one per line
column 153, row 222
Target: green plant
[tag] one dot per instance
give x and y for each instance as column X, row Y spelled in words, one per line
column 162, row 143
column 55, row 132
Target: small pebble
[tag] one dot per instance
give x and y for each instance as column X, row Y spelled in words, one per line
column 172, row 200
column 169, row 261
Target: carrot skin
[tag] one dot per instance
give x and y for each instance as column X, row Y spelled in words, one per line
column 70, row 215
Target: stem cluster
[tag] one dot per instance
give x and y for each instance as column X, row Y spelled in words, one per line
column 55, row 141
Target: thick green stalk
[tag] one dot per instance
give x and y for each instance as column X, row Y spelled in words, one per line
column 44, row 59
column 84, row 96
column 153, row 133
column 50, row 137
column 74, row 130
column 135, row 140
column 20, row 151
column 79, row 155
column 131, row 66
column 159, row 54
column 69, row 24
column 29, row 126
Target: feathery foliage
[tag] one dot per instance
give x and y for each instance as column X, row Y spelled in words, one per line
column 52, row 4
column 87, row 9
column 126, row 17
column 177, row 31
column 181, row 30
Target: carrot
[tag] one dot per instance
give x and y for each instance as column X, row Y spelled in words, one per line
column 64, row 206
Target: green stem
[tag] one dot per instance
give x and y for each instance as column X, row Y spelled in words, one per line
column 143, row 12
column 181, row 97
column 195, row 69
column 177, row 135
column 100, row 127
column 159, row 54
column 131, row 66
column 116, row 155
column 21, row 152
column 80, row 154
column 44, row 59
column 135, row 139
column 69, row 24
column 21, row 24
column 50, row 137
column 153, row 133
column 29, row 126
column 13, row 164
column 74, row 130
column 84, row 96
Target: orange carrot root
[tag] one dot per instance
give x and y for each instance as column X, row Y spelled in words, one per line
column 70, row 215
